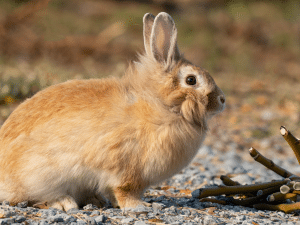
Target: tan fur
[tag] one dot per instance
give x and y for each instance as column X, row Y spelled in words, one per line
column 75, row 142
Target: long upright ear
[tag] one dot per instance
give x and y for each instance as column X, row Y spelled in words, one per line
column 163, row 41
column 148, row 21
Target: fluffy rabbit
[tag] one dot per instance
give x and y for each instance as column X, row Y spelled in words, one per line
column 75, row 142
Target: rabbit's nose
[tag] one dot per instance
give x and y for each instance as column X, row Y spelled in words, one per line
column 221, row 99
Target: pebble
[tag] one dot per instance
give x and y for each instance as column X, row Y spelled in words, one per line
column 165, row 209
column 99, row 219
column 127, row 220
column 157, row 206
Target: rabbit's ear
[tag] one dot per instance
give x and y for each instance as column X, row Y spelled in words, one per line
column 163, row 41
column 148, row 23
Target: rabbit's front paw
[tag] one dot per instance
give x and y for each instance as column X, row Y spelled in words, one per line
column 64, row 203
column 133, row 203
column 128, row 198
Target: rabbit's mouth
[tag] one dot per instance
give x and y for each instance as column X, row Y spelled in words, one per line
column 216, row 103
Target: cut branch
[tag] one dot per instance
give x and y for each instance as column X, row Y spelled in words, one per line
column 277, row 197
column 214, row 191
column 292, row 141
column 246, row 201
column 257, row 195
column 296, row 186
column 287, row 208
column 268, row 191
column 258, row 157
column 229, row 182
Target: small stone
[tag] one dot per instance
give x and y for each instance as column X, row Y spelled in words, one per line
column 94, row 213
column 140, row 209
column 140, row 223
column 100, row 218
column 117, row 217
column 127, row 220
column 73, row 211
column 160, row 198
column 186, row 212
column 210, row 220
column 6, row 221
column 91, row 220
column 70, row 219
column 47, row 212
column 196, row 193
column 79, row 222
column 57, row 218
column 22, row 204
column 7, row 213
column 20, row 219
column 90, row 207
column 6, row 203
column 158, row 206
column 171, row 211
column 241, row 218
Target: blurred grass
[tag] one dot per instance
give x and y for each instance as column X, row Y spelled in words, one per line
column 251, row 48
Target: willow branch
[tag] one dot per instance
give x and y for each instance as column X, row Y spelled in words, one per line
column 246, row 201
column 287, row 208
column 258, row 157
column 268, row 191
column 292, row 141
column 229, row 182
column 278, row 196
column 214, row 191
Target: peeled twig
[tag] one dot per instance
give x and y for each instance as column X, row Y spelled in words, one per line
column 287, row 190
column 292, row 141
column 214, row 191
column 296, row 186
column 287, row 208
column 258, row 157
column 284, row 189
column 278, row 196
column 268, row 191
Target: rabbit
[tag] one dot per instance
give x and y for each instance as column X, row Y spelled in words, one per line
column 106, row 140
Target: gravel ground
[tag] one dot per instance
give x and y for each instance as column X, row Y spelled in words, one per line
column 171, row 201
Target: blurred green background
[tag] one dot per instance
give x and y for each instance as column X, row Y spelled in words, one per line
column 251, row 48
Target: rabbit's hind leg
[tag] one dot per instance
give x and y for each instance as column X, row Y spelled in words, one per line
column 64, row 203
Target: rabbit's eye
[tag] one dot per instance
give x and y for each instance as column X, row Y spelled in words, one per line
column 191, row 80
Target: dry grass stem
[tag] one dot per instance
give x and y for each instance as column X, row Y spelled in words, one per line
column 258, row 157
column 292, row 141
